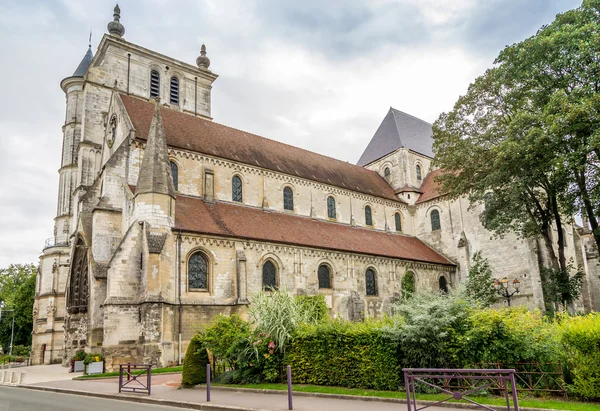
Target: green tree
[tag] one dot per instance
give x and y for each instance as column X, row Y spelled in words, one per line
column 479, row 284
column 17, row 290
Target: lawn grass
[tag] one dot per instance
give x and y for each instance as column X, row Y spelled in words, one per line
column 548, row 403
column 133, row 372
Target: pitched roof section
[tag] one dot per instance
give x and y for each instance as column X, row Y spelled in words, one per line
column 85, row 63
column 155, row 171
column 196, row 134
column 224, row 219
column 430, row 188
column 398, row 130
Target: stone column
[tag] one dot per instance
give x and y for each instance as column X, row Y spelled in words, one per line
column 242, row 283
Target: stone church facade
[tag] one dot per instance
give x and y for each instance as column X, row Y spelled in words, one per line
column 166, row 219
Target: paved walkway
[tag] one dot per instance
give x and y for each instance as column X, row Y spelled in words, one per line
column 165, row 387
column 42, row 373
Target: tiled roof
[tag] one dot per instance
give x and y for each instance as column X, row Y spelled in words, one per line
column 224, row 219
column 84, row 64
column 397, row 130
column 203, row 136
column 407, row 189
column 430, row 188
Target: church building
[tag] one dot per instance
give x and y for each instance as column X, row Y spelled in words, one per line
column 167, row 218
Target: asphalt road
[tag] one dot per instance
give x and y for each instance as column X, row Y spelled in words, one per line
column 20, row 399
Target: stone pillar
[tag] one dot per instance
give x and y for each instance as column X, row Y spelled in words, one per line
column 242, row 283
column 209, row 185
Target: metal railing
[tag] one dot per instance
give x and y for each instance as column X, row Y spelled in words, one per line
column 129, row 379
column 56, row 242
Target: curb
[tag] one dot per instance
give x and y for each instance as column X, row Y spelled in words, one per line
column 215, row 407
column 116, row 376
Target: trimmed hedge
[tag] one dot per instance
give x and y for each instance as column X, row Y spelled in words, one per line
column 194, row 364
column 345, row 354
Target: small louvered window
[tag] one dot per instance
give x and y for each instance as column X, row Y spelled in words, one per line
column 387, row 173
column 288, row 199
column 368, row 216
column 236, row 187
column 269, row 276
column 174, row 95
column 398, row 222
column 175, row 175
column 435, row 220
column 331, row 207
column 154, row 84
column 324, row 276
column 371, row 282
column 418, row 172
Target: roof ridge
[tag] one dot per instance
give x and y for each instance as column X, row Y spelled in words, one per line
column 409, row 115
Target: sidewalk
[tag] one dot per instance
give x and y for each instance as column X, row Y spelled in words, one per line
column 165, row 391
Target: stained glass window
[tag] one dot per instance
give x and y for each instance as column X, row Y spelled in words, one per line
column 174, row 94
column 78, row 288
column 398, row 221
column 435, row 220
column 198, row 272
column 371, row 282
column 269, row 276
column 443, row 284
column 418, row 172
column 154, row 84
column 175, row 175
column 324, row 276
column 368, row 216
column 331, row 207
column 288, row 199
column 236, row 189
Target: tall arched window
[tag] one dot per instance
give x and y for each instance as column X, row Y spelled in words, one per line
column 435, row 220
column 288, row 199
column 564, row 233
column 368, row 216
column 443, row 285
column 398, row 221
column 78, row 287
column 418, row 172
column 408, row 285
column 269, row 276
column 198, row 272
column 324, row 276
column 154, row 84
column 175, row 175
column 331, row 207
column 386, row 173
column 236, row 189
column 174, row 92
column 371, row 282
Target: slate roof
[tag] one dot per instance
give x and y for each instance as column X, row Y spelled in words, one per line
column 203, row 136
column 85, row 63
column 430, row 188
column 192, row 214
column 397, row 130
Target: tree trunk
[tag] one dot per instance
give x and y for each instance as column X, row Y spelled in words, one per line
column 589, row 208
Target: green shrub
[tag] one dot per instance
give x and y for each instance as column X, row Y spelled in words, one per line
column 194, row 364
column 21, row 350
column 90, row 358
column 346, row 354
column 580, row 338
column 223, row 337
column 79, row 356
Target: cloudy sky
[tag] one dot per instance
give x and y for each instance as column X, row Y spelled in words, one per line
column 318, row 74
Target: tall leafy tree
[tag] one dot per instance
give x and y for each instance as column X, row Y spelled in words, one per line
column 17, row 290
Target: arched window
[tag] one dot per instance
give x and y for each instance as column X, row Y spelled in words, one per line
column 175, row 175
column 198, row 272
column 418, row 172
column 154, row 84
column 236, row 189
column 331, row 207
column 78, row 287
column 269, row 275
column 408, row 285
column 398, row 221
column 443, row 285
column 324, row 276
column 368, row 216
column 288, row 199
column 386, row 173
column 564, row 233
column 174, row 94
column 371, row 282
column 435, row 220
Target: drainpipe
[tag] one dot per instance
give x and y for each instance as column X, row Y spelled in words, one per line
column 179, row 291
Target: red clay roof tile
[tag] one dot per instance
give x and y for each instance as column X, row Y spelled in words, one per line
column 430, row 188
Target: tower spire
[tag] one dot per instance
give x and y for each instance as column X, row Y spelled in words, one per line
column 115, row 27
column 90, row 42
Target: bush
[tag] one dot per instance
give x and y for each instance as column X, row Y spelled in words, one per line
column 346, row 354
column 21, row 350
column 194, row 364
column 79, row 356
column 90, row 358
column 223, row 338
column 580, row 337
